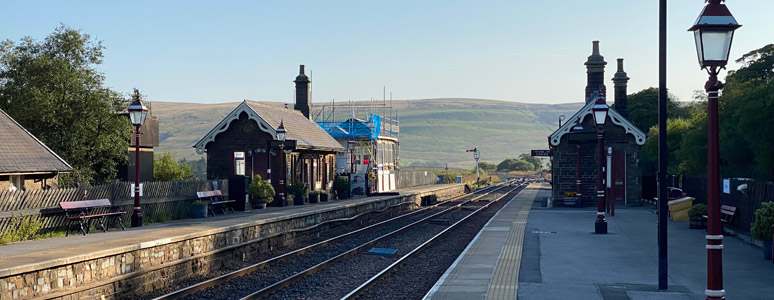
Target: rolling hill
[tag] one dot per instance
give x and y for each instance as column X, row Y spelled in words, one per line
column 433, row 131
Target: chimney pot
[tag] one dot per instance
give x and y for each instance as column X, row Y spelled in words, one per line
column 301, row 70
column 620, row 65
column 595, row 50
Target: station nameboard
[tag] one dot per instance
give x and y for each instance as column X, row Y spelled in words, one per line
column 541, row 153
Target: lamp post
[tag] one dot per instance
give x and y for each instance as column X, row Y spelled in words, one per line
column 600, row 116
column 281, row 135
column 713, row 33
column 137, row 114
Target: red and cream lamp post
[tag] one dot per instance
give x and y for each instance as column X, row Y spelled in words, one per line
column 137, row 114
column 599, row 111
column 713, row 32
column 281, row 135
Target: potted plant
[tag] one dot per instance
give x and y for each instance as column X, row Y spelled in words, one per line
column 298, row 189
column 696, row 216
column 261, row 192
column 314, row 197
column 761, row 226
column 341, row 185
column 199, row 209
column 323, row 196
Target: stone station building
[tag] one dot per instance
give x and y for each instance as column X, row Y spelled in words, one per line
column 244, row 144
column 574, row 145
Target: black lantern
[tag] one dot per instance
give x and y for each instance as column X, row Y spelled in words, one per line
column 600, row 111
column 137, row 111
column 713, row 32
column 281, row 132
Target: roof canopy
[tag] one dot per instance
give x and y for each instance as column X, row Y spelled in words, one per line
column 555, row 138
column 305, row 132
column 22, row 153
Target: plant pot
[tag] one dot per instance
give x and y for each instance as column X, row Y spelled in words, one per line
column 259, row 205
column 767, row 250
column 342, row 195
column 697, row 223
column 298, row 200
column 314, row 198
column 323, row 197
column 198, row 211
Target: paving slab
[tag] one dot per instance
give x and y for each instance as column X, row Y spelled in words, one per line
column 568, row 261
column 488, row 267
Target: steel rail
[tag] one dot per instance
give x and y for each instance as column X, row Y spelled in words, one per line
column 363, row 287
column 260, row 265
column 298, row 276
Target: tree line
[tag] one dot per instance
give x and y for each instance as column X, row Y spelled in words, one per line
column 746, row 111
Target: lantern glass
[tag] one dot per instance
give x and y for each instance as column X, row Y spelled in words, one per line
column 137, row 114
column 600, row 116
column 281, row 135
column 713, row 45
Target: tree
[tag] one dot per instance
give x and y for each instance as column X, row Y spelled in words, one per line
column 746, row 109
column 536, row 163
column 487, row 166
column 512, row 164
column 165, row 168
column 643, row 108
column 53, row 89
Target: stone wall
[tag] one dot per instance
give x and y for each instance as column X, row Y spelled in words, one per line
column 142, row 268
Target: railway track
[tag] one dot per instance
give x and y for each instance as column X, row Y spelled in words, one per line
column 281, row 271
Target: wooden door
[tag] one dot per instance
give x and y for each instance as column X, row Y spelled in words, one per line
column 618, row 176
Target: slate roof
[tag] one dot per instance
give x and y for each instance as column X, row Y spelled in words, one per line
column 22, row 153
column 305, row 132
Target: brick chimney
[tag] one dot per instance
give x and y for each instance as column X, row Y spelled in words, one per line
column 302, row 93
column 620, row 81
column 595, row 71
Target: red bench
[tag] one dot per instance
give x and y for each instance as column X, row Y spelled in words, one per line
column 216, row 201
column 84, row 211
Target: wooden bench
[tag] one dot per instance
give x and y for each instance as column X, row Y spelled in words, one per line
column 726, row 213
column 84, row 211
column 216, row 201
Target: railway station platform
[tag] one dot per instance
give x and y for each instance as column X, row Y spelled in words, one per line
column 529, row 252
column 141, row 259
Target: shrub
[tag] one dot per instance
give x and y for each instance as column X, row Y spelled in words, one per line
column 261, row 190
column 764, row 218
column 341, row 185
column 697, row 210
column 297, row 188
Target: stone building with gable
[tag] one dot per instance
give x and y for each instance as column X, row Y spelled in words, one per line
column 244, row 144
column 574, row 145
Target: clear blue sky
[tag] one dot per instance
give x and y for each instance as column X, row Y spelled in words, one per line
column 527, row 51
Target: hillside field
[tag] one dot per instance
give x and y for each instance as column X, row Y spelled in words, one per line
column 433, row 131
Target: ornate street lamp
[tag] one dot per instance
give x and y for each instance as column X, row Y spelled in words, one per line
column 599, row 111
column 281, row 135
column 137, row 114
column 713, row 33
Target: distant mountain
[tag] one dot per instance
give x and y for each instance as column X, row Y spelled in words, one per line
column 432, row 131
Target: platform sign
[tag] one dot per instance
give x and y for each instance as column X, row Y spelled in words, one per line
column 542, row 153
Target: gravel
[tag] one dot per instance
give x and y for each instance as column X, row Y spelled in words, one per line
column 242, row 286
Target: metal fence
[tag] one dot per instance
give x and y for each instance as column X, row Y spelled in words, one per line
column 160, row 201
column 407, row 179
column 746, row 201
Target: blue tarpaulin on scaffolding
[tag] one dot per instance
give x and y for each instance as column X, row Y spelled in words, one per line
column 354, row 128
